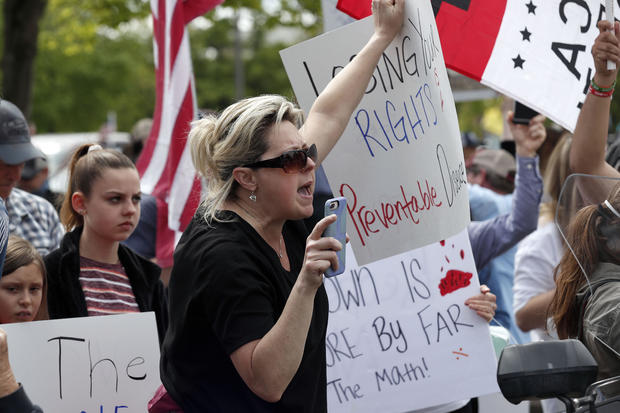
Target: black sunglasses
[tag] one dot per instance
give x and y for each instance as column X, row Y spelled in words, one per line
column 291, row 161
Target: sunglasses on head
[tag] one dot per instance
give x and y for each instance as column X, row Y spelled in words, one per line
column 291, row 161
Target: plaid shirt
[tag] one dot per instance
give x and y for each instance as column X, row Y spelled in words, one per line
column 4, row 232
column 35, row 220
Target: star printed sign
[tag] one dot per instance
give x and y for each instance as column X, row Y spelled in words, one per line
column 536, row 51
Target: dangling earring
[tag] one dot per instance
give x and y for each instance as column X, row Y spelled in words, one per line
column 252, row 197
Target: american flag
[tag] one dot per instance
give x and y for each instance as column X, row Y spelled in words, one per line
column 165, row 164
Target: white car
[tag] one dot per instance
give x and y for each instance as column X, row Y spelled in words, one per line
column 58, row 148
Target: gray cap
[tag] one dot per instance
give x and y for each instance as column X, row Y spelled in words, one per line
column 15, row 145
column 498, row 161
column 33, row 167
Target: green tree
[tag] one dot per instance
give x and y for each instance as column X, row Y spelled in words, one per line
column 70, row 24
column 470, row 114
column 90, row 63
column 75, row 92
column 213, row 50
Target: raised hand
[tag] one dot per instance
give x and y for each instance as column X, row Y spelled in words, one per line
column 606, row 47
column 528, row 138
column 388, row 17
column 320, row 254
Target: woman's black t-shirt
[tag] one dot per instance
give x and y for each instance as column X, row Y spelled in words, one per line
column 227, row 289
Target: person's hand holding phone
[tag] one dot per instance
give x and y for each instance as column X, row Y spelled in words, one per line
column 528, row 138
column 522, row 114
column 321, row 254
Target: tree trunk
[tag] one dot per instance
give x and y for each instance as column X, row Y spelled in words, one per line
column 21, row 29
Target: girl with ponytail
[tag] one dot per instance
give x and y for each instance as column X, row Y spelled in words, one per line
column 91, row 273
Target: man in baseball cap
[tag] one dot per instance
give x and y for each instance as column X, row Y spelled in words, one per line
column 15, row 145
column 494, row 169
column 30, row 217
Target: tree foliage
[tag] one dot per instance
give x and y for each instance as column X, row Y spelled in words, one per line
column 69, row 27
column 95, row 57
column 213, row 53
column 74, row 92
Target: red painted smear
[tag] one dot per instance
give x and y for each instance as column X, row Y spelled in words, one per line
column 447, row 259
column 462, row 254
column 453, row 281
column 460, row 353
column 442, row 242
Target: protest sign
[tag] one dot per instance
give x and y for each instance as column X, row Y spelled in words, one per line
column 107, row 364
column 400, row 337
column 399, row 162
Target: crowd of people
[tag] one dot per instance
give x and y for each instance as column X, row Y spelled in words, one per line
column 242, row 321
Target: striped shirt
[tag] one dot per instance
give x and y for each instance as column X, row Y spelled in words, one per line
column 106, row 288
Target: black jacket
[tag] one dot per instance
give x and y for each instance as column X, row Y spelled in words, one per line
column 18, row 402
column 65, row 296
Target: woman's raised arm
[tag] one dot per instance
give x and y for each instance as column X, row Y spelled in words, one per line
column 332, row 109
column 587, row 153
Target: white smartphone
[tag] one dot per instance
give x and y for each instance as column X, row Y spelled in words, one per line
column 337, row 230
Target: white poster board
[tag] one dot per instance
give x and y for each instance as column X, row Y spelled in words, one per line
column 106, row 364
column 400, row 337
column 399, row 162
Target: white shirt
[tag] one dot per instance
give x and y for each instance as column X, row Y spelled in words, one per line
column 536, row 258
column 535, row 261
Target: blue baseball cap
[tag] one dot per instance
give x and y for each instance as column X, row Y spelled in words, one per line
column 15, row 144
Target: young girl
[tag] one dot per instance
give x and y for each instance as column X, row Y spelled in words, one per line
column 22, row 298
column 91, row 273
column 22, row 286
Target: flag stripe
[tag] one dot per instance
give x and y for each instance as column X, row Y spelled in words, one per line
column 183, row 183
column 177, row 86
column 174, row 86
column 177, row 33
column 194, row 201
column 180, row 127
column 158, row 10
column 165, row 236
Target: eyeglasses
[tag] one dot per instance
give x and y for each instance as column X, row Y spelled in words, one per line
column 291, row 161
